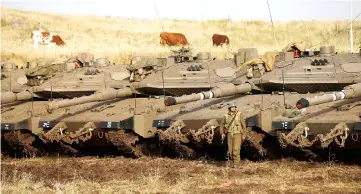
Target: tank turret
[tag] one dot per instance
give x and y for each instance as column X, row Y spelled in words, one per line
column 351, row 91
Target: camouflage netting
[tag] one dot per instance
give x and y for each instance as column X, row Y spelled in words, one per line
column 141, row 61
column 82, row 57
column 295, row 45
column 268, row 59
column 45, row 61
column 36, row 76
column 50, row 67
column 45, row 70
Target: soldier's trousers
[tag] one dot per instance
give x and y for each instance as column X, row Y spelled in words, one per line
column 234, row 146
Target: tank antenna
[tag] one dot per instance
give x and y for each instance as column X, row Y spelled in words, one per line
column 262, row 89
column 105, row 82
column 11, row 78
column 229, row 26
column 158, row 16
column 337, row 33
column 209, row 78
column 284, row 97
column 32, row 102
column 135, row 103
column 131, row 43
column 273, row 28
column 51, row 89
column 165, row 107
column 351, row 33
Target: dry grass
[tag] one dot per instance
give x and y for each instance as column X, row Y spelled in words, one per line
column 146, row 175
column 117, row 38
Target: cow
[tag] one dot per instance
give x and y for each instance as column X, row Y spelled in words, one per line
column 46, row 38
column 219, row 39
column 173, row 39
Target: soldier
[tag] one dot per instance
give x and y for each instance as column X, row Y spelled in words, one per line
column 234, row 127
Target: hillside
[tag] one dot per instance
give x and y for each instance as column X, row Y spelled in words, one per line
column 116, row 38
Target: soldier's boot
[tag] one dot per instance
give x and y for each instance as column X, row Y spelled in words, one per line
column 236, row 159
column 229, row 156
column 229, row 159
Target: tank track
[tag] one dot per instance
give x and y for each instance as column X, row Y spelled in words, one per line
column 125, row 142
column 20, row 142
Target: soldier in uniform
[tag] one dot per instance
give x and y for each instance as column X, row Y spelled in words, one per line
column 234, row 127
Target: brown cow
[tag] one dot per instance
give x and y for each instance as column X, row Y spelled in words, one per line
column 219, row 39
column 56, row 40
column 173, row 39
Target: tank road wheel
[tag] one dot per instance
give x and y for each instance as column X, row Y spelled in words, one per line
column 150, row 147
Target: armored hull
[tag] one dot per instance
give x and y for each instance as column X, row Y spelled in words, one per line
column 197, row 93
column 106, row 127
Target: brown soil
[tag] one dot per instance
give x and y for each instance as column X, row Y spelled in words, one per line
column 149, row 175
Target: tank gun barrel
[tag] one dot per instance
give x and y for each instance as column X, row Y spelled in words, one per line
column 106, row 94
column 9, row 97
column 219, row 91
column 350, row 91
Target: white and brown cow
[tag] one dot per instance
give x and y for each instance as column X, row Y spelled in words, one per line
column 46, row 38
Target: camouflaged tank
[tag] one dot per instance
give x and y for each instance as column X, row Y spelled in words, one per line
column 327, row 122
column 268, row 98
column 263, row 88
column 171, row 76
column 115, row 127
column 78, row 76
column 148, row 77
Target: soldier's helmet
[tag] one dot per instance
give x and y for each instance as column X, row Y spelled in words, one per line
column 232, row 104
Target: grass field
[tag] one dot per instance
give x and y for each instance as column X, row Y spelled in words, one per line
column 117, row 38
column 161, row 175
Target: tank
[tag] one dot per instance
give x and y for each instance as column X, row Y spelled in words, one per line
column 116, row 127
column 316, row 128
column 329, row 122
column 193, row 100
column 268, row 98
column 148, row 78
column 78, row 76
column 177, row 74
column 273, row 72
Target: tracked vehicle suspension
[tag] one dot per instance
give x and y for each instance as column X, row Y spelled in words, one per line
column 173, row 134
column 54, row 134
column 205, row 132
column 83, row 134
column 298, row 136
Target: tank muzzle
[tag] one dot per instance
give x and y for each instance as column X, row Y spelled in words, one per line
column 170, row 101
